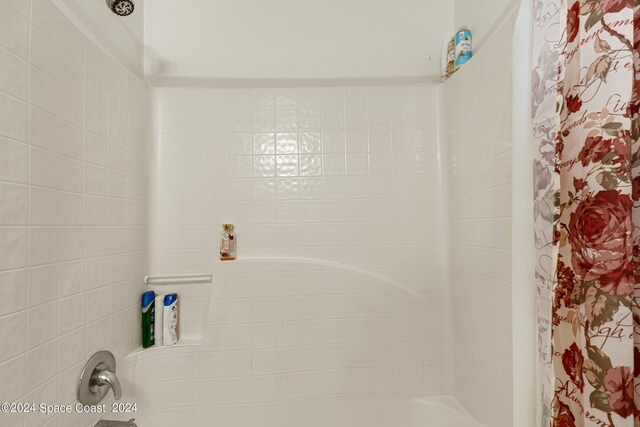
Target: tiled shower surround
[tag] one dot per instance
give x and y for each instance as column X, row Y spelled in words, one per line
column 476, row 124
column 340, row 285
column 72, row 207
column 373, row 234
column 349, row 175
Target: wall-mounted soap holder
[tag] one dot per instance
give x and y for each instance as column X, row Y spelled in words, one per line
column 195, row 299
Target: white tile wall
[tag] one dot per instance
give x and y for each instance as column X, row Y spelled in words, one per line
column 70, row 119
column 338, row 202
column 349, row 178
column 344, row 203
column 477, row 130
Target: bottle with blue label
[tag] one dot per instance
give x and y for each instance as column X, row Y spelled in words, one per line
column 463, row 47
column 170, row 333
column 148, row 319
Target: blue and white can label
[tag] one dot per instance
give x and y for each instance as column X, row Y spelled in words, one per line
column 463, row 47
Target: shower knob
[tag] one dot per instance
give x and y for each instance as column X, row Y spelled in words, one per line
column 97, row 377
column 121, row 7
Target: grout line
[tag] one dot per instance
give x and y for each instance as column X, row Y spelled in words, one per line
column 84, row 197
column 29, row 207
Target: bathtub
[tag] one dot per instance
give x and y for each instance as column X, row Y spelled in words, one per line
column 348, row 411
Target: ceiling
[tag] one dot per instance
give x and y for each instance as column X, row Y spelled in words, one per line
column 295, row 39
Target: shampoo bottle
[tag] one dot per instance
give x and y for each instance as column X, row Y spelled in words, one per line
column 148, row 319
column 159, row 328
column 170, row 322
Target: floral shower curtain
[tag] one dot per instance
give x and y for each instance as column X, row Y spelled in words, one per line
column 586, row 128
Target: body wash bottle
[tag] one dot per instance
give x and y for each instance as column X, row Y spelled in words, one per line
column 148, row 319
column 227, row 243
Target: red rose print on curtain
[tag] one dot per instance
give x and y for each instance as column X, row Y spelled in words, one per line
column 572, row 361
column 612, row 6
column 574, row 104
column 573, row 22
column 619, row 383
column 564, row 417
column 635, row 185
column 594, row 149
column 586, row 131
column 601, row 245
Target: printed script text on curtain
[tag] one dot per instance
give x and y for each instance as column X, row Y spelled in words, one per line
column 587, row 210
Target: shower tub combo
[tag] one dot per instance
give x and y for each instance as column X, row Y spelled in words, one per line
column 345, row 347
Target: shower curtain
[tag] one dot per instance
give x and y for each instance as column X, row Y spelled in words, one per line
column 586, row 126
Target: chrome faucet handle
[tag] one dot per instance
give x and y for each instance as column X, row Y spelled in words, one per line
column 106, row 377
column 97, row 377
